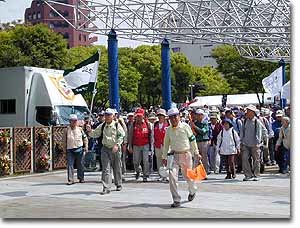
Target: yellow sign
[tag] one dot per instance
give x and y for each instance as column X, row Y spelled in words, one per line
column 62, row 86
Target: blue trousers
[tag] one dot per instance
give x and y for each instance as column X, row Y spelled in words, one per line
column 286, row 158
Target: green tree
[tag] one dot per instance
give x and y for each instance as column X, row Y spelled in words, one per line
column 182, row 75
column 36, row 46
column 211, row 80
column 243, row 74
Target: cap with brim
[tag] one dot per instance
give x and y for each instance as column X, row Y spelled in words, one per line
column 130, row 114
column 200, row 112
column 252, row 108
column 279, row 113
column 109, row 111
column 161, row 112
column 73, row 117
column 228, row 121
column 173, row 112
column 140, row 112
column 213, row 116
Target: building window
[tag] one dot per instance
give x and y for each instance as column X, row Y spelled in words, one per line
column 207, row 45
column 38, row 3
column 79, row 37
column 84, row 38
column 51, row 25
column 8, row 106
column 79, row 16
column 207, row 56
column 39, row 15
column 29, row 16
column 33, row 16
column 51, row 14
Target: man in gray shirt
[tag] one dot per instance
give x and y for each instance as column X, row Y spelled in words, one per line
column 252, row 135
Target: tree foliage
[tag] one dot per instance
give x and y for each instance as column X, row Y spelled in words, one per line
column 32, row 46
column 243, row 75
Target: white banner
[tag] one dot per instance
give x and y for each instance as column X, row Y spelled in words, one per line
column 273, row 83
column 285, row 92
column 83, row 75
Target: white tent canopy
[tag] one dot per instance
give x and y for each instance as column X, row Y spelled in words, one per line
column 237, row 99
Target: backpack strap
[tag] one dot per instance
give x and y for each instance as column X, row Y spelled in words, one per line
column 237, row 124
column 233, row 137
column 221, row 139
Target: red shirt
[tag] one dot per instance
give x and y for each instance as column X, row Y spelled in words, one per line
column 159, row 134
column 140, row 134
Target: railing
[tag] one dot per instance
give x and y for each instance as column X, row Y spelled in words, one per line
column 31, row 149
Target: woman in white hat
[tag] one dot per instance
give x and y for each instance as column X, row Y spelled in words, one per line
column 77, row 146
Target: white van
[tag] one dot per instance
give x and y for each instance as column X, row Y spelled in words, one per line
column 31, row 96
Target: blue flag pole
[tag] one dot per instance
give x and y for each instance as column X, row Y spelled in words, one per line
column 166, row 75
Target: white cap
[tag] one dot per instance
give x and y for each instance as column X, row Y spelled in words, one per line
column 252, row 108
column 73, row 117
column 279, row 113
column 200, row 111
column 109, row 111
column 173, row 111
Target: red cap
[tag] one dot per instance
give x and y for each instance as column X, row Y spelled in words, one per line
column 140, row 112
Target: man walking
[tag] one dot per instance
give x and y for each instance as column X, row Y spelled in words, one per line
column 182, row 142
column 202, row 136
column 252, row 134
column 112, row 135
column 140, row 142
column 216, row 127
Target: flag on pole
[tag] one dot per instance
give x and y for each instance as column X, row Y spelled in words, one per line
column 84, row 76
column 285, row 91
column 273, row 83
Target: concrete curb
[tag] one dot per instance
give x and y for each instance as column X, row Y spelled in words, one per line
column 33, row 175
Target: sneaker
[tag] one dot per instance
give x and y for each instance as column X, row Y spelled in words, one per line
column 70, row 182
column 137, row 175
column 191, row 197
column 145, row 179
column 119, row 188
column 255, row 178
column 175, row 204
column 248, row 179
column 81, row 181
column 123, row 179
column 105, row 191
column 233, row 176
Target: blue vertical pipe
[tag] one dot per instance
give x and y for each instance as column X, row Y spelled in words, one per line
column 113, row 71
column 166, row 74
column 282, row 64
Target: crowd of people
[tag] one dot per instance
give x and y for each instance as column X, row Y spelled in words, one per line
column 232, row 140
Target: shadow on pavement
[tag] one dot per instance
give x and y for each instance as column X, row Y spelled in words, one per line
column 15, row 194
column 88, row 193
column 149, row 205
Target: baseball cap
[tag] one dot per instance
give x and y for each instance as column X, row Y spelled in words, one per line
column 279, row 113
column 73, row 117
column 200, row 111
column 109, row 111
column 173, row 111
column 140, row 112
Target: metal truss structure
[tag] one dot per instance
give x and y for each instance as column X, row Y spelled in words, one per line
column 257, row 28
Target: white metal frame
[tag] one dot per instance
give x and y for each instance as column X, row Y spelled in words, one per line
column 258, row 28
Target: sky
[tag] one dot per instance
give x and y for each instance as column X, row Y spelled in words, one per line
column 14, row 9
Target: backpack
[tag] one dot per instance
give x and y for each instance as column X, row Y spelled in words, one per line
column 232, row 131
column 237, row 124
column 101, row 136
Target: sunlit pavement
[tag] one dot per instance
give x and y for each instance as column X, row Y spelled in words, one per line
column 48, row 196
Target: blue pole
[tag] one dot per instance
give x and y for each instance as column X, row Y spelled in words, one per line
column 166, row 75
column 113, row 71
column 282, row 100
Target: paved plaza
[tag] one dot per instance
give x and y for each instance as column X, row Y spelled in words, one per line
column 48, row 196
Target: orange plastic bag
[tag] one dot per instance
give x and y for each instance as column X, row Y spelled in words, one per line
column 197, row 173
